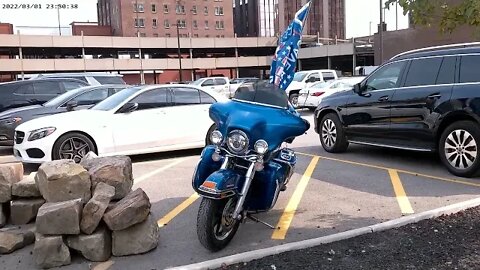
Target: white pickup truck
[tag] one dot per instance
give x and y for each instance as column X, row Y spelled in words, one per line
column 304, row 79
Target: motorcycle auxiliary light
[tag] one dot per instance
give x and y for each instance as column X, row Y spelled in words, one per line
column 216, row 137
column 216, row 157
column 261, row 147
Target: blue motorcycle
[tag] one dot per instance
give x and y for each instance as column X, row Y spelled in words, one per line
column 246, row 167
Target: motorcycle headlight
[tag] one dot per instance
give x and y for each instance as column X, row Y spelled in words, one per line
column 216, row 137
column 237, row 142
column 11, row 121
column 261, row 147
column 40, row 133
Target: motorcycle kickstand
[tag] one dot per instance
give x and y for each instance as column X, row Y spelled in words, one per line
column 260, row 221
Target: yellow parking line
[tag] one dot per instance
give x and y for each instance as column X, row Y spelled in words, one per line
column 104, row 265
column 431, row 177
column 177, row 210
column 289, row 212
column 402, row 198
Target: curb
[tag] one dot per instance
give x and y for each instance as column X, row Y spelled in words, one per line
column 395, row 223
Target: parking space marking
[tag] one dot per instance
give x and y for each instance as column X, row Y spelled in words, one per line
column 287, row 216
column 402, row 198
column 431, row 177
column 159, row 170
column 177, row 210
column 104, row 265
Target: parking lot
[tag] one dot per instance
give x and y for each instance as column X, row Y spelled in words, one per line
column 327, row 194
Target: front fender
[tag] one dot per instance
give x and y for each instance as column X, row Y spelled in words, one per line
column 221, row 184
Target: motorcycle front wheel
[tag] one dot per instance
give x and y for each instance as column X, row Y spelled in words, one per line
column 215, row 224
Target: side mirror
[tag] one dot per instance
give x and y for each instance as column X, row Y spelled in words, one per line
column 357, row 88
column 71, row 105
column 128, row 108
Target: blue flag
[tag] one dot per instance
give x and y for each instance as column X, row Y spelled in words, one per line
column 284, row 61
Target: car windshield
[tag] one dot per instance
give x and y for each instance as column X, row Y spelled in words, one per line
column 262, row 92
column 59, row 100
column 299, row 76
column 322, row 85
column 113, row 101
column 198, row 82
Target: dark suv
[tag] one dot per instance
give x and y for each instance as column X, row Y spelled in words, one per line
column 32, row 92
column 422, row 100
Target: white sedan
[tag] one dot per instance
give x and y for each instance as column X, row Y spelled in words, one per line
column 311, row 97
column 136, row 120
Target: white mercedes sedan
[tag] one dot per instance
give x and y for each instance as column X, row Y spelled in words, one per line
column 138, row 120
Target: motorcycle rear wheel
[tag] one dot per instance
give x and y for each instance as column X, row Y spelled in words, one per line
column 215, row 226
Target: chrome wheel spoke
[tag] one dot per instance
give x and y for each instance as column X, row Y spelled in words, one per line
column 460, row 149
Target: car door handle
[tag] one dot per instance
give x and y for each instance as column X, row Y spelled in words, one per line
column 383, row 99
column 434, row 96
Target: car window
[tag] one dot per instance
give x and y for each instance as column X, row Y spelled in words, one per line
column 423, row 72
column 109, row 79
column 470, row 69
column 327, row 76
column 386, row 77
column 185, row 96
column 316, row 76
column 81, row 78
column 47, row 88
column 447, row 71
column 91, row 97
column 70, row 85
column 206, row 98
column 299, row 76
column 25, row 89
column 208, row 82
column 156, row 98
column 336, row 85
column 220, row 81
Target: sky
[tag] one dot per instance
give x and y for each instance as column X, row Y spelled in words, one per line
column 359, row 14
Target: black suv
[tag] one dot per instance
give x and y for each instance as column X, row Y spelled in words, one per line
column 422, row 100
column 32, row 92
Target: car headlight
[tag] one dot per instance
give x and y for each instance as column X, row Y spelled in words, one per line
column 40, row 133
column 237, row 142
column 216, row 137
column 261, row 147
column 11, row 121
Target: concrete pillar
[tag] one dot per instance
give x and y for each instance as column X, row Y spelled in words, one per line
column 329, row 62
column 20, row 54
column 192, row 73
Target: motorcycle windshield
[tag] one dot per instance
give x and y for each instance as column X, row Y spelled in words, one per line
column 261, row 111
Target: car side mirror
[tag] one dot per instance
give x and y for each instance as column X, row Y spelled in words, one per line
column 128, row 108
column 71, row 105
column 357, row 88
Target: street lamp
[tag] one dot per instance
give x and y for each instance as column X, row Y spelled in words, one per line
column 179, row 52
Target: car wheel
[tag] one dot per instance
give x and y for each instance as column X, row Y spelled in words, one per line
column 210, row 130
column 294, row 100
column 332, row 135
column 458, row 148
column 72, row 146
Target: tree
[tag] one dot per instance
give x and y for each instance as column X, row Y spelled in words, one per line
column 447, row 13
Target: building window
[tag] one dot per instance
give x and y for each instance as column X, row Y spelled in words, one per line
column 165, row 8
column 222, row 36
column 154, row 23
column 206, row 25
column 155, row 35
column 205, row 10
column 195, row 24
column 219, row 25
column 138, row 8
column 154, row 8
column 139, row 22
column 180, row 9
column 219, row 11
column 168, row 35
column 143, row 34
column 181, row 24
column 194, row 9
column 166, row 24
column 195, row 35
column 207, row 36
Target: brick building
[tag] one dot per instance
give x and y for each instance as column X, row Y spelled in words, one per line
column 90, row 29
column 158, row 18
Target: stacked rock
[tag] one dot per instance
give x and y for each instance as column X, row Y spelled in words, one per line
column 69, row 202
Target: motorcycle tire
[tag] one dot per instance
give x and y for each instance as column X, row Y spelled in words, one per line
column 209, row 217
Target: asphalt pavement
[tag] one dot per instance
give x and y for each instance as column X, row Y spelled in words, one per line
column 328, row 193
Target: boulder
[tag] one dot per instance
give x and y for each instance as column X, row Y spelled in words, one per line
column 137, row 239
column 96, row 247
column 63, row 180
column 3, row 216
column 51, row 251
column 59, row 218
column 10, row 173
column 95, row 208
column 115, row 171
column 132, row 209
column 25, row 210
column 15, row 239
column 26, row 188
